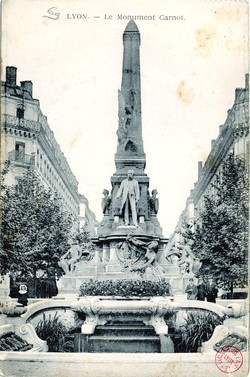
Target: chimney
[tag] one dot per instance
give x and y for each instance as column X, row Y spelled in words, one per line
column 27, row 86
column 199, row 169
column 11, row 76
column 237, row 92
column 221, row 128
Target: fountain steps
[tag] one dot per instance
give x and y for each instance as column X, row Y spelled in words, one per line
column 120, row 338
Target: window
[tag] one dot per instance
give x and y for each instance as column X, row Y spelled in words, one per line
column 20, row 112
column 19, row 151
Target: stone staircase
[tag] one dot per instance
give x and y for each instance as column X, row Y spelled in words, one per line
column 120, row 337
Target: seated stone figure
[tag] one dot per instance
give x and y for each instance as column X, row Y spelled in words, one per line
column 70, row 258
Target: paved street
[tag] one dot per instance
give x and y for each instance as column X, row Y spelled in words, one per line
column 115, row 365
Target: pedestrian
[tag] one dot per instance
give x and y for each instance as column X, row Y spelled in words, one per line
column 191, row 290
column 23, row 295
column 201, row 287
column 51, row 282
column 211, row 291
column 14, row 287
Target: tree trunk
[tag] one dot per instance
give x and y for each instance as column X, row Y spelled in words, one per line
column 231, row 287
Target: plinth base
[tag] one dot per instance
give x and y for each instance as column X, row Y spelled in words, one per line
column 70, row 283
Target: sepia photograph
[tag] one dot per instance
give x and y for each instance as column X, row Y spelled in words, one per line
column 124, row 188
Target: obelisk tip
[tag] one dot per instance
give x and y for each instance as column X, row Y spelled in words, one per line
column 131, row 26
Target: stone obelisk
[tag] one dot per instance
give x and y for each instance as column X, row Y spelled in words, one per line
column 130, row 152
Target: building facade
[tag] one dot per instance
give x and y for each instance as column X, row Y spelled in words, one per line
column 28, row 141
column 232, row 138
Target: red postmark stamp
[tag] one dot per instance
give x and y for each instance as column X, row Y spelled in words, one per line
column 228, row 359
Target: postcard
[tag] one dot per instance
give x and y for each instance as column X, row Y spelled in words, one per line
column 136, row 115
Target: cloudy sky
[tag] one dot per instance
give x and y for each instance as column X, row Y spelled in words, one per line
column 190, row 66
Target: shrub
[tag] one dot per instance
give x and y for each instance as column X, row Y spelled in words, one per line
column 198, row 328
column 125, row 288
column 12, row 342
column 53, row 331
column 236, row 340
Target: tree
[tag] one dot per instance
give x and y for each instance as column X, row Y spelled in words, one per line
column 35, row 228
column 221, row 234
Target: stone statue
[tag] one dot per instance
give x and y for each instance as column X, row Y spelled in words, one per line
column 70, row 258
column 106, row 201
column 148, row 262
column 130, row 194
column 186, row 260
column 122, row 131
column 188, row 263
column 154, row 202
column 126, row 254
column 128, row 116
column 140, row 256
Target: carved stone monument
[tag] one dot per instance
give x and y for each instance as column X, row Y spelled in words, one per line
column 129, row 242
column 130, row 200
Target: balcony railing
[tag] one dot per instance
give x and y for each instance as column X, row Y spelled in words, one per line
column 22, row 124
column 21, row 157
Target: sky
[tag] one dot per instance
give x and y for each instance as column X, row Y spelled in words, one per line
column 193, row 56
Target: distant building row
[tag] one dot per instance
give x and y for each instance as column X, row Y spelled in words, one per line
column 27, row 140
column 232, row 138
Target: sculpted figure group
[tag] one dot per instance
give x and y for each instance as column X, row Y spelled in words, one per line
column 70, row 258
column 140, row 256
column 75, row 254
column 186, row 260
